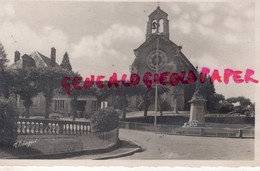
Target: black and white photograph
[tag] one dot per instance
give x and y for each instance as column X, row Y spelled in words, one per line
column 124, row 81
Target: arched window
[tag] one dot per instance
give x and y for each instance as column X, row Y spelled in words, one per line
column 154, row 26
column 161, row 23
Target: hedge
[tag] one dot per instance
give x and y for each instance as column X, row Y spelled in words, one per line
column 8, row 127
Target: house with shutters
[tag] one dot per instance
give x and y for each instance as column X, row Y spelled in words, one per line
column 61, row 103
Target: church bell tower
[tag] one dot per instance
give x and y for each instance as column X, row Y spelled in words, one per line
column 158, row 54
column 158, row 23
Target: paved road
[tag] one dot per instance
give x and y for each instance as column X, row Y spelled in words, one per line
column 159, row 146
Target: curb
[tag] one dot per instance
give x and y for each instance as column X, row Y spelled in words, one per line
column 135, row 143
column 128, row 153
column 87, row 152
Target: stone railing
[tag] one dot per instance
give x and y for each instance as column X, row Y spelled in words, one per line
column 52, row 127
column 54, row 137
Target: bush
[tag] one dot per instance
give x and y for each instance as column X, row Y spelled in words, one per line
column 8, row 127
column 225, row 107
column 104, row 120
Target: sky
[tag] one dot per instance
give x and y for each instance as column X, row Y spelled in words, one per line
column 100, row 36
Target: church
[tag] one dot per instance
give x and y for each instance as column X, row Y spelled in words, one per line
column 159, row 54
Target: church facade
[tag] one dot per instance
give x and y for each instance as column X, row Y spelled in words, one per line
column 159, row 54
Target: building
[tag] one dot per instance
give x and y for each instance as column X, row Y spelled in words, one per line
column 170, row 58
column 61, row 103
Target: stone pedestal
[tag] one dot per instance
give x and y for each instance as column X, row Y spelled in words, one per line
column 197, row 112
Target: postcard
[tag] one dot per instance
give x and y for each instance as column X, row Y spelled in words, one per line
column 127, row 83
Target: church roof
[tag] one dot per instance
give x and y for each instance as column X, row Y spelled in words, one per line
column 182, row 56
column 150, row 39
column 158, row 11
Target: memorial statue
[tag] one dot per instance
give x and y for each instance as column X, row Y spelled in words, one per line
column 197, row 110
column 197, row 89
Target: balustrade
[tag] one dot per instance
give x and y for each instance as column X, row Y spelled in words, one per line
column 52, row 127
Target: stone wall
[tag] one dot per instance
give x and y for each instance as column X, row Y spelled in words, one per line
column 53, row 144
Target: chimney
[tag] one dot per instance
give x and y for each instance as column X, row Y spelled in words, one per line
column 53, row 57
column 16, row 56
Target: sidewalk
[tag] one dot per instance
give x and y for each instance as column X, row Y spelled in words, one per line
column 137, row 114
column 210, row 130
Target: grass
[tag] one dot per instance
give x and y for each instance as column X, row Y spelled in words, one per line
column 7, row 152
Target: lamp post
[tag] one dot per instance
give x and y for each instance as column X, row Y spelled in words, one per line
column 156, row 85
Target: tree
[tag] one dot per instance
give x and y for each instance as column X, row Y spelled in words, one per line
column 3, row 59
column 122, row 94
column 177, row 93
column 76, row 93
column 147, row 95
column 164, row 105
column 215, row 100
column 251, row 110
column 50, row 78
column 4, row 89
column 8, row 127
column 66, row 62
column 188, row 93
column 226, row 107
column 232, row 99
column 25, row 83
column 207, row 90
column 102, row 94
column 243, row 103
column 4, row 84
column 217, row 97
